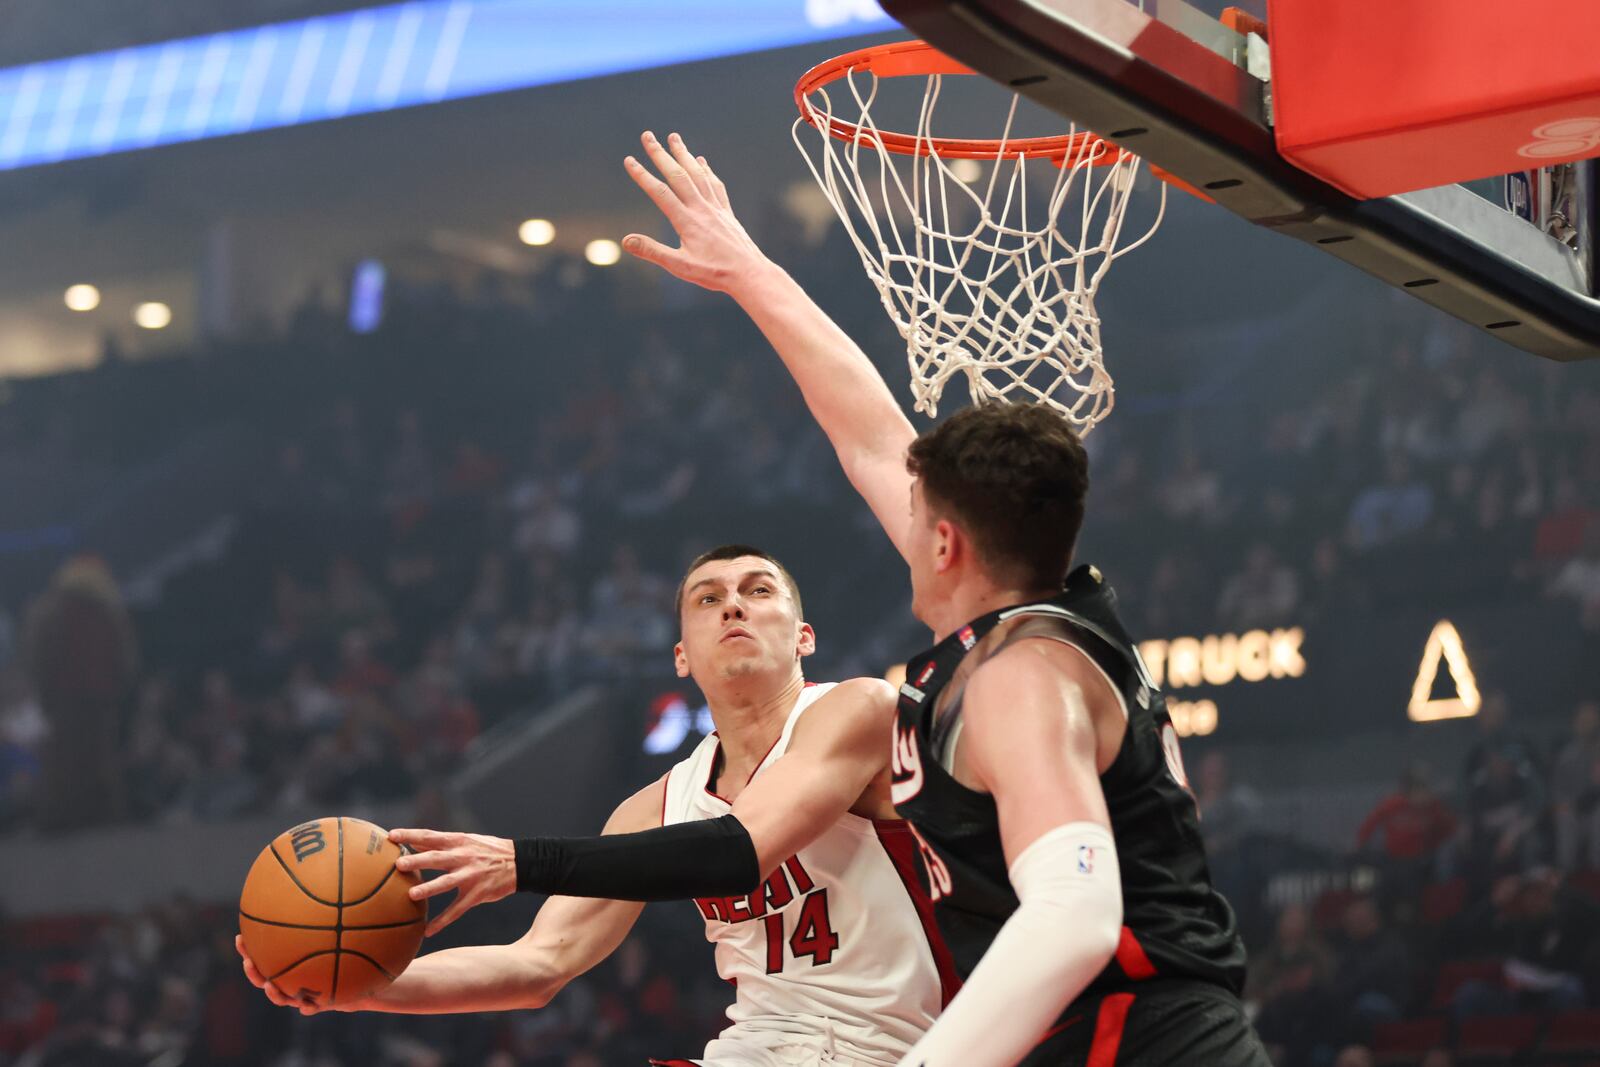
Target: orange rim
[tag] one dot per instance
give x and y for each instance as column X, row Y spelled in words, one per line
column 910, row 58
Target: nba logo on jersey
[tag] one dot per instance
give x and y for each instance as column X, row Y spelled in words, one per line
column 1085, row 859
column 968, row 638
column 927, row 672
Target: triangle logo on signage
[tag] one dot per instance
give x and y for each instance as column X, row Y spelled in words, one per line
column 1444, row 644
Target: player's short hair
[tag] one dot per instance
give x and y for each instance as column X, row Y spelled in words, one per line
column 722, row 552
column 1013, row 477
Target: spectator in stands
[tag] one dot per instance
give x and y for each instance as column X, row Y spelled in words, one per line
column 1354, row 1056
column 1579, row 580
column 1437, row 1057
column 629, row 624
column 1229, row 812
column 1332, row 587
column 1264, row 593
column 354, row 603
column 1402, row 505
column 1502, row 782
column 1371, row 979
column 1572, row 790
column 224, row 788
column 1489, row 414
column 360, row 671
column 1194, row 491
column 1414, row 823
column 1561, row 532
column 546, row 524
column 82, row 655
column 1287, row 983
column 1549, row 936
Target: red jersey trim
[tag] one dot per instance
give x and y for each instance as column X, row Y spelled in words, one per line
column 1054, row 1030
column 1108, row 1030
column 711, row 775
column 895, row 837
column 1132, row 959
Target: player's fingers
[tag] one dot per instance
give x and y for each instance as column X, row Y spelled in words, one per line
column 674, row 260
column 442, row 884
column 250, row 970
column 279, row 997
column 671, row 170
column 719, row 191
column 659, row 192
column 419, row 839
column 691, row 165
column 447, row 860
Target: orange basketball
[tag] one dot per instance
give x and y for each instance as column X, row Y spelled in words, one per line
column 325, row 915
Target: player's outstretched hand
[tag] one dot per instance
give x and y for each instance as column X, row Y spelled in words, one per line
column 271, row 989
column 714, row 251
column 482, row 869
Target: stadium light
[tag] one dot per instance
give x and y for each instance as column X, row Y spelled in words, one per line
column 602, row 253
column 83, row 297
column 153, row 315
column 537, row 232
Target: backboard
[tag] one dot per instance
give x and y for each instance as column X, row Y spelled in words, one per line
column 1195, row 97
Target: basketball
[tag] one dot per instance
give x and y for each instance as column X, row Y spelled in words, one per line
column 326, row 916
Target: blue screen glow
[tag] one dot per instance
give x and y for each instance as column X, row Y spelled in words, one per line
column 377, row 59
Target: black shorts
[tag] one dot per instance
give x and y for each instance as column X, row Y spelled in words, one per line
column 1155, row 1024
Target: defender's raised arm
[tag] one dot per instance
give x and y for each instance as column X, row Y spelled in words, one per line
column 846, row 395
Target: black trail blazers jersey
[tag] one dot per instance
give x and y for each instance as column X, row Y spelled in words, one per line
column 1175, row 924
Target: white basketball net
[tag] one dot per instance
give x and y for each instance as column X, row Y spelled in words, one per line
column 973, row 284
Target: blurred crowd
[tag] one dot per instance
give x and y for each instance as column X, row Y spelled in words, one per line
column 437, row 527
column 163, row 986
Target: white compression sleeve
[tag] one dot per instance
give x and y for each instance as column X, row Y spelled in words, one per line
column 1060, row 937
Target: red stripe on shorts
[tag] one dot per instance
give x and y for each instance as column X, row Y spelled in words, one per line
column 1131, row 958
column 1108, row 1030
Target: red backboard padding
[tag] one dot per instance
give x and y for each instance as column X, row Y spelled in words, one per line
column 1379, row 97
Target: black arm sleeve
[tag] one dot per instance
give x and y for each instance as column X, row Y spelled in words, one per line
column 704, row 858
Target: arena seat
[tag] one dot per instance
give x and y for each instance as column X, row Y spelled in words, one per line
column 1442, row 901
column 1573, row 1034
column 1457, row 973
column 1496, row 1039
column 1403, row 1043
column 1330, row 907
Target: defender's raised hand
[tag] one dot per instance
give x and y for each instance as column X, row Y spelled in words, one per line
column 715, row 252
column 482, row 869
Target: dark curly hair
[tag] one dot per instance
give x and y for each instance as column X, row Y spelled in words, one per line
column 1014, row 477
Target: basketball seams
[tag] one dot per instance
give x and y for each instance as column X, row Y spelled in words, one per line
column 338, row 932
column 318, row 926
column 381, row 883
column 383, row 936
column 273, row 848
column 335, row 952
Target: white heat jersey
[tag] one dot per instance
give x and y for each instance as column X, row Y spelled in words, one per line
column 837, row 950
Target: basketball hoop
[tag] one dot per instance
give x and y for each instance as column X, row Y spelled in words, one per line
column 1005, row 299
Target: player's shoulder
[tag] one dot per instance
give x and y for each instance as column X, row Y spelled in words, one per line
column 643, row 810
column 845, row 707
column 1031, row 662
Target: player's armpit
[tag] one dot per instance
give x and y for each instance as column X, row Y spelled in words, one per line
column 838, row 747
